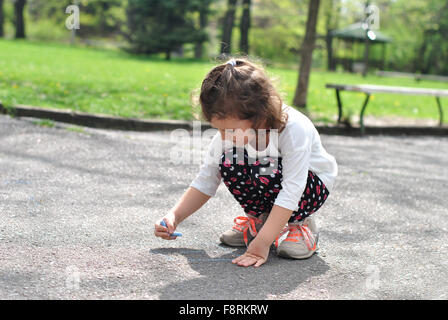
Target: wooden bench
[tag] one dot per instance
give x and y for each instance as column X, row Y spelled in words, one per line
column 369, row 89
column 416, row 76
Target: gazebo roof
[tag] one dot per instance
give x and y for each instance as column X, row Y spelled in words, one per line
column 356, row 32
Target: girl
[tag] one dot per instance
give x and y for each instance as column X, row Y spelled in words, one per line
column 271, row 159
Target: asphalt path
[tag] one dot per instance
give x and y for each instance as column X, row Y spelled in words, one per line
column 77, row 209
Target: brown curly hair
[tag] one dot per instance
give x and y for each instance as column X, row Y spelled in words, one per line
column 243, row 91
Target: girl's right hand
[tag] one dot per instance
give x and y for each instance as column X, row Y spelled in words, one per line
column 164, row 232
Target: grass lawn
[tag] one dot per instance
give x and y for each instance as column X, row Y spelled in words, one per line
column 117, row 83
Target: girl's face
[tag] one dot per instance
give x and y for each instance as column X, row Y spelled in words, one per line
column 238, row 131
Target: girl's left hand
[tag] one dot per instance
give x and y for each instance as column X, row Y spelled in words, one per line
column 256, row 254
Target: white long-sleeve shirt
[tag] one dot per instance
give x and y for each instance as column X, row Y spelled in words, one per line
column 300, row 149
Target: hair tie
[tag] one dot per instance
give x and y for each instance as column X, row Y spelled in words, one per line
column 232, row 62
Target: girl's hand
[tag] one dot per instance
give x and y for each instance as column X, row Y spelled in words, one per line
column 164, row 232
column 256, row 254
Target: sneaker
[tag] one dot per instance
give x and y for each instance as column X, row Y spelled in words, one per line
column 301, row 241
column 239, row 236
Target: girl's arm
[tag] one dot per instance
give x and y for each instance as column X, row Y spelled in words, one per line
column 274, row 224
column 191, row 201
column 258, row 250
column 201, row 189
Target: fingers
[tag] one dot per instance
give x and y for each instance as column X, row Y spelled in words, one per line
column 248, row 259
column 158, row 228
column 259, row 262
column 169, row 225
column 163, row 232
column 164, row 235
column 238, row 259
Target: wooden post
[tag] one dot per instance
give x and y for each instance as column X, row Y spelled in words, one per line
column 361, row 116
column 366, row 55
column 440, row 111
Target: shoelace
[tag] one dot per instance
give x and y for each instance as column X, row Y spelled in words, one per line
column 246, row 223
column 296, row 232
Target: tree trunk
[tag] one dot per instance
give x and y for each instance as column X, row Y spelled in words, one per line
column 366, row 45
column 1, row 19
column 329, row 42
column 300, row 97
column 418, row 64
column 329, row 26
column 19, row 6
column 198, row 50
column 228, row 26
column 244, row 27
column 203, row 21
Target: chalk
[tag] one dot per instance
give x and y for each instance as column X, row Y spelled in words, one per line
column 174, row 234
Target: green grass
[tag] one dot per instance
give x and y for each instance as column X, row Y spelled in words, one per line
column 120, row 84
column 77, row 129
column 44, row 123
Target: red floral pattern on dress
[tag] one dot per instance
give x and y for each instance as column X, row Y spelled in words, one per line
column 260, row 192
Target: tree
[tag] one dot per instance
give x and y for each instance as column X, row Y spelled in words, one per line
column 300, row 97
column 228, row 27
column 366, row 43
column 245, row 26
column 432, row 56
column 19, row 20
column 2, row 19
column 204, row 11
column 99, row 18
column 162, row 26
column 331, row 13
column 102, row 19
column 419, row 33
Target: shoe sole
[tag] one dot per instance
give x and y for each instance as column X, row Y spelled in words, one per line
column 232, row 244
column 287, row 255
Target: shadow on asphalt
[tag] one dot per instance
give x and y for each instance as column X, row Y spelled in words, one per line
column 218, row 278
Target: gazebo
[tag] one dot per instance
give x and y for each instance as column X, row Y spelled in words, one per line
column 357, row 42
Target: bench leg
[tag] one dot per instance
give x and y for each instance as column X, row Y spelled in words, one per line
column 361, row 116
column 338, row 98
column 440, row 111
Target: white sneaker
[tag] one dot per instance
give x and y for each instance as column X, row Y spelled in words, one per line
column 301, row 241
column 239, row 236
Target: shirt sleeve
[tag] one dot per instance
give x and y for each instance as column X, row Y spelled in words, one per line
column 295, row 152
column 209, row 177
